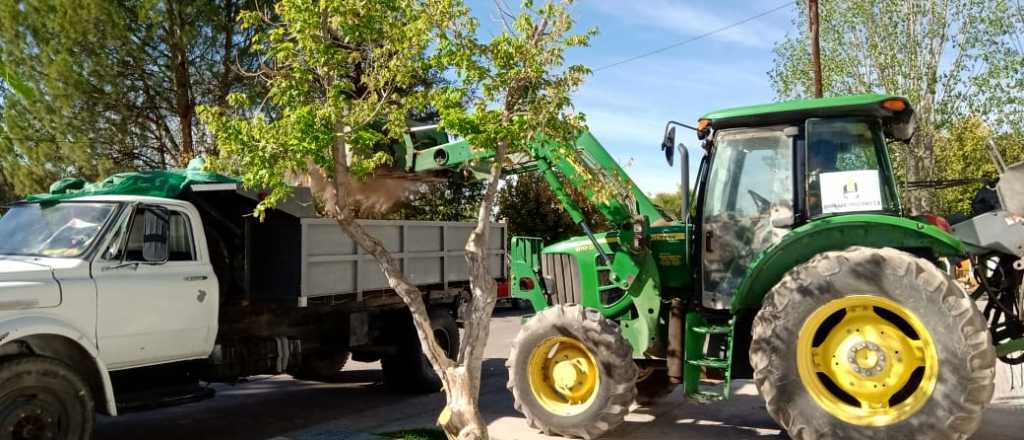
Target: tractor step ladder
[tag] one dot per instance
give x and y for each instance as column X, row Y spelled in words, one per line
column 699, row 338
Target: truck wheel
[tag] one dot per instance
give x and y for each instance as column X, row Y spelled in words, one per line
column 886, row 346
column 42, row 398
column 523, row 304
column 571, row 372
column 321, row 366
column 409, row 370
column 653, row 385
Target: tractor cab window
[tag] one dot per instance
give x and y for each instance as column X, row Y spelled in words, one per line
column 843, row 172
column 751, row 178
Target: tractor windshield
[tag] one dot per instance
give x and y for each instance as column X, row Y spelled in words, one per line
column 843, row 167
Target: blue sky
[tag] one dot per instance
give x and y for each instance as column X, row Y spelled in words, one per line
column 627, row 105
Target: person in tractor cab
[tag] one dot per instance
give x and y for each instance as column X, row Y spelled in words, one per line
column 821, row 158
column 835, row 147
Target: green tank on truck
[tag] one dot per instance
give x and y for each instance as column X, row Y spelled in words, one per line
column 799, row 268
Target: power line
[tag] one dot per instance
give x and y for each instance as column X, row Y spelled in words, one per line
column 695, row 38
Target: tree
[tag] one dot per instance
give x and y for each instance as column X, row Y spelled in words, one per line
column 114, row 83
column 454, row 198
column 335, row 68
column 951, row 58
column 6, row 194
column 963, row 152
column 532, row 210
column 671, row 203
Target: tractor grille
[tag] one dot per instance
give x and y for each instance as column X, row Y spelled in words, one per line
column 561, row 276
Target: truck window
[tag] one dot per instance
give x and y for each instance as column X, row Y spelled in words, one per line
column 180, row 246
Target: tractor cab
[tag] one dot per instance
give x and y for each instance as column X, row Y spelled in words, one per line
column 772, row 168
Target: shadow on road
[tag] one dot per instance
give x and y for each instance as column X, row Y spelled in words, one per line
column 742, row 417
column 258, row 409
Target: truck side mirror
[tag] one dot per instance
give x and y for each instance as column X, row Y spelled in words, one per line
column 157, row 224
column 668, row 145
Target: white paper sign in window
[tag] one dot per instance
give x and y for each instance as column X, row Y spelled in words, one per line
column 850, row 191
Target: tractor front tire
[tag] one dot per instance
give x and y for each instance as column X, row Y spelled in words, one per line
column 886, row 347
column 571, row 372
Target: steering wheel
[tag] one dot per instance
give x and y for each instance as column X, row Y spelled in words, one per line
column 763, row 204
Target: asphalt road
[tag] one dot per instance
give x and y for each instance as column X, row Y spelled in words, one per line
column 281, row 408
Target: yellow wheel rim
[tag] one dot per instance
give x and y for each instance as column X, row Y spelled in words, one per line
column 564, row 377
column 867, row 360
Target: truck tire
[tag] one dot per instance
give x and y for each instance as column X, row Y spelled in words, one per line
column 42, row 398
column 652, row 385
column 522, row 304
column 408, row 370
column 886, row 346
column 571, row 372
column 322, row 366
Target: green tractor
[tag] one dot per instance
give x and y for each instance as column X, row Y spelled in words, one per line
column 798, row 267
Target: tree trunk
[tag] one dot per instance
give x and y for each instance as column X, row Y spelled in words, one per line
column 227, row 72
column 461, row 419
column 410, row 294
column 183, row 102
column 461, row 384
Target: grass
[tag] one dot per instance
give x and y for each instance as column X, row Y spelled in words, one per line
column 416, row 434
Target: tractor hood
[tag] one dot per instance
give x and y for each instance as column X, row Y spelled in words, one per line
column 27, row 285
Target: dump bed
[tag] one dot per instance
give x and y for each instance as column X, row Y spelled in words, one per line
column 430, row 254
column 294, row 257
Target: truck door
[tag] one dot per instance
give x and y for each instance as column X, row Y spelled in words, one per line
column 751, row 175
column 152, row 312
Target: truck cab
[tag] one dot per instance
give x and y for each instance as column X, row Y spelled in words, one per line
column 109, row 270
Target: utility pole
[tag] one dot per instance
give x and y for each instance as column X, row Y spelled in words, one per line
column 815, row 47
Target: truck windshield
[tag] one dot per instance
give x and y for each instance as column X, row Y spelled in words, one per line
column 64, row 230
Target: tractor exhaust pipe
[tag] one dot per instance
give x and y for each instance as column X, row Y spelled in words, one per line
column 675, row 341
column 684, row 182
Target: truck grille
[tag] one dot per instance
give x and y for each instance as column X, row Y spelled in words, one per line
column 561, row 276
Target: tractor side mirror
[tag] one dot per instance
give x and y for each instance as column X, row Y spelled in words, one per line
column 157, row 224
column 668, row 145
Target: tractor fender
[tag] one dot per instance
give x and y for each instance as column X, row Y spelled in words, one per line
column 838, row 233
column 46, row 336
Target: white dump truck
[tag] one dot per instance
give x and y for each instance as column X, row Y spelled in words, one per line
column 130, row 293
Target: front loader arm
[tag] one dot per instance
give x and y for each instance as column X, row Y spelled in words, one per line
column 560, row 172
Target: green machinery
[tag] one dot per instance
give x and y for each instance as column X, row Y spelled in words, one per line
column 799, row 268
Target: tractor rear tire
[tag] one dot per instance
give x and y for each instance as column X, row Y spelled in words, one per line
column 408, row 370
column 845, row 376
column 571, row 372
